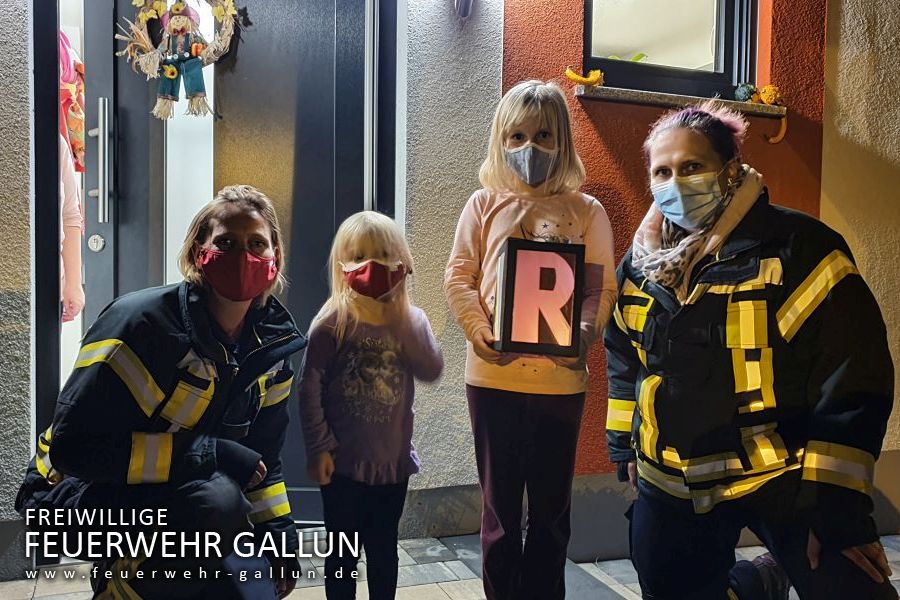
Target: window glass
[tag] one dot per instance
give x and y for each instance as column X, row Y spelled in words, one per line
column 670, row 33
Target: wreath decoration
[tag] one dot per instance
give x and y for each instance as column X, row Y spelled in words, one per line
column 181, row 53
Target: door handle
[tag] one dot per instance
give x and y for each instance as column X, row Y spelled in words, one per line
column 101, row 132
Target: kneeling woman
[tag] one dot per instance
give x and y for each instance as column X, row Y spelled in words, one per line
column 750, row 382
column 177, row 401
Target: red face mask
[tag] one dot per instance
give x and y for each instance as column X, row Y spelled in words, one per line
column 238, row 276
column 374, row 279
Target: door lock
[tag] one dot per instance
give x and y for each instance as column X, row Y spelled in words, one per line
column 96, row 243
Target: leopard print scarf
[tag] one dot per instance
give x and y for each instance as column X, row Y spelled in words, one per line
column 666, row 253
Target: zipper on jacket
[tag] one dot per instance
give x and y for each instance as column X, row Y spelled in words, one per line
column 274, row 342
column 270, row 344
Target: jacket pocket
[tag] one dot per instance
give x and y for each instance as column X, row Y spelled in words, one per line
column 187, row 403
column 746, row 323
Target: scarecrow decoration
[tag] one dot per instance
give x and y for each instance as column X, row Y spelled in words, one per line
column 181, row 53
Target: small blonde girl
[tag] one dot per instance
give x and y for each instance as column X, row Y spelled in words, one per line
column 526, row 410
column 366, row 346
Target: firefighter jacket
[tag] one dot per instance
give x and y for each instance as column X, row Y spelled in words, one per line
column 154, row 398
column 777, row 362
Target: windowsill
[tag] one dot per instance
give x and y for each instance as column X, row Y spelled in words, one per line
column 611, row 94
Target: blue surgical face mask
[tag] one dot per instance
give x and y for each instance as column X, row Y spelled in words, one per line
column 690, row 202
column 531, row 162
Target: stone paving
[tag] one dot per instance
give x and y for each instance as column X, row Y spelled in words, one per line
column 430, row 569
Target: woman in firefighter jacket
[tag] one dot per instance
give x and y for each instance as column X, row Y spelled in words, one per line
column 178, row 400
column 750, row 383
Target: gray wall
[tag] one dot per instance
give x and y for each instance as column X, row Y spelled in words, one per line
column 449, row 81
column 15, row 275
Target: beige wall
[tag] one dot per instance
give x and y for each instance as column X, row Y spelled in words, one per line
column 861, row 151
column 454, row 78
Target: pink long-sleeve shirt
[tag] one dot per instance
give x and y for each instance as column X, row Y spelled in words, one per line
column 487, row 220
column 69, row 205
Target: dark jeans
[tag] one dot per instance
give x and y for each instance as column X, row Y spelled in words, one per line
column 373, row 512
column 524, row 442
column 192, row 71
column 685, row 556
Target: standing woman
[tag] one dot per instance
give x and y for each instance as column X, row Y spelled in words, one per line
column 750, row 382
column 178, row 401
column 526, row 410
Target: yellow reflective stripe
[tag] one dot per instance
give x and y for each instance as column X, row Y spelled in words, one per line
column 634, row 315
column 619, row 320
column 754, row 375
column 706, row 500
column 649, row 430
column 719, row 466
column 128, row 367
column 642, row 355
column 674, row 486
column 814, row 289
column 837, row 464
column 187, row 404
column 619, row 414
column 712, row 467
column 770, row 273
column 630, row 289
column 119, row 588
column 670, row 458
column 746, row 324
column 277, row 393
column 202, row 368
column 151, row 457
column 764, row 446
column 42, row 456
column 268, row 503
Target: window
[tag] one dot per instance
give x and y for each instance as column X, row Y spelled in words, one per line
column 691, row 47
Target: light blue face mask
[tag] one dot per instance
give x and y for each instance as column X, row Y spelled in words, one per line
column 690, row 202
column 531, row 162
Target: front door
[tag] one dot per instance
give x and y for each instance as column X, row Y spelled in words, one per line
column 303, row 109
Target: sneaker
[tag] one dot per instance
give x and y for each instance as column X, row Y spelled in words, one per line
column 775, row 580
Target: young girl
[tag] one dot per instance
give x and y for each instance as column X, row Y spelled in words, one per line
column 356, row 393
column 526, row 410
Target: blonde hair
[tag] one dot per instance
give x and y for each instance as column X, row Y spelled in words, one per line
column 363, row 228
column 533, row 100
column 248, row 199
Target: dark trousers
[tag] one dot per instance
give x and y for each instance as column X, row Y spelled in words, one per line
column 373, row 512
column 524, row 443
column 681, row 555
column 214, row 504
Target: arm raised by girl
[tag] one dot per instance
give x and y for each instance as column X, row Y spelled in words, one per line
column 420, row 349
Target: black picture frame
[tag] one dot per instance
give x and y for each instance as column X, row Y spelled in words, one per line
column 735, row 58
column 504, row 298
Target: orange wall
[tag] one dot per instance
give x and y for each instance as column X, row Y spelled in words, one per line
column 543, row 37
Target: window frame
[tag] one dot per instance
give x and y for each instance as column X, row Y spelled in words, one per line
column 735, row 58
